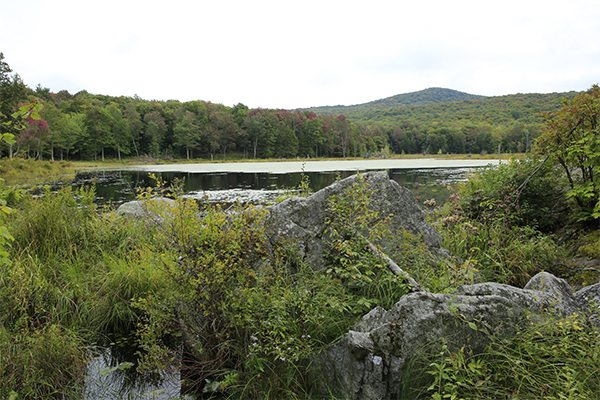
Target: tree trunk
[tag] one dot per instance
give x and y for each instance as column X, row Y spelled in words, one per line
column 135, row 147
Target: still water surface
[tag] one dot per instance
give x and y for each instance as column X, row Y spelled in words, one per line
column 261, row 182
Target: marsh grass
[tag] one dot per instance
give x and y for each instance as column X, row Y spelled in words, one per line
column 73, row 276
column 41, row 363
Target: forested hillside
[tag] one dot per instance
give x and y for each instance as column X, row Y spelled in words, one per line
column 427, row 96
column 90, row 126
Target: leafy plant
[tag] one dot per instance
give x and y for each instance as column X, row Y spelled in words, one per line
column 552, row 360
column 493, row 222
column 571, row 139
column 352, row 228
column 523, row 192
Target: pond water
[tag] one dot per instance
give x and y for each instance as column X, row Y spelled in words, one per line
column 262, row 182
column 112, row 373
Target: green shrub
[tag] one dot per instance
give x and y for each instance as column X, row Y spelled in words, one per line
column 501, row 253
column 509, row 191
column 591, row 248
column 351, row 228
column 494, row 226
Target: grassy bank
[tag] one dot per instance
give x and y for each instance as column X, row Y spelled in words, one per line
column 18, row 171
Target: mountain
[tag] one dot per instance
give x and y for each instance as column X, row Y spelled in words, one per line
column 428, row 96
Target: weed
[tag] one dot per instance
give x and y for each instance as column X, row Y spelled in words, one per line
column 552, row 360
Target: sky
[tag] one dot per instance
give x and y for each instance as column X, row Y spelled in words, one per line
column 298, row 54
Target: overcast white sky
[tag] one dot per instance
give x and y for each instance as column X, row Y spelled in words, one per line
column 292, row 54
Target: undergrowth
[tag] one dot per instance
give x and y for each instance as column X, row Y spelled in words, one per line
column 256, row 315
column 501, row 228
column 556, row 359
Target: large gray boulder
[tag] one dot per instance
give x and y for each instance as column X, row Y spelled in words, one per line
column 303, row 221
column 370, row 361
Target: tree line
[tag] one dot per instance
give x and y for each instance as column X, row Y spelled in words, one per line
column 88, row 126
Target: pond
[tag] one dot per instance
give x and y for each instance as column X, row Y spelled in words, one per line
column 261, row 182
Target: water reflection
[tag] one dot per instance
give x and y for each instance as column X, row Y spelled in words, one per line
column 116, row 187
column 112, row 375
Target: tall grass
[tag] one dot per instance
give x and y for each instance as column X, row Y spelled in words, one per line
column 73, row 276
column 557, row 359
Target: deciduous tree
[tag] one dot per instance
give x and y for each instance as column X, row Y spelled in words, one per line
column 571, row 138
column 12, row 91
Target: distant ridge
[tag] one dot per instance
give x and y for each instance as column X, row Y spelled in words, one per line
column 427, row 96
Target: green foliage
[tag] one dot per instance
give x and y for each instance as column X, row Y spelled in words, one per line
column 557, row 359
column 7, row 195
column 256, row 314
column 12, row 91
column 591, row 247
column 352, row 226
column 572, row 139
column 72, row 278
column 521, row 192
column 57, row 226
column 493, row 242
column 288, row 317
column 44, row 363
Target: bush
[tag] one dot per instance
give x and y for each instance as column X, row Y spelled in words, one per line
column 509, row 191
column 494, row 225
